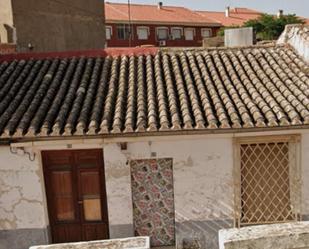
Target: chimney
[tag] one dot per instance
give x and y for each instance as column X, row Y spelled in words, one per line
column 280, row 13
column 160, row 4
column 227, row 11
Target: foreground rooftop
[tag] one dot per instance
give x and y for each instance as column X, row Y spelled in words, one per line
column 147, row 91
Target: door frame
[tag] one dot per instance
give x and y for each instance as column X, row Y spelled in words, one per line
column 104, row 205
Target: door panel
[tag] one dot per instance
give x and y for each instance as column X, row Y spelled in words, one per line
column 63, row 195
column 92, row 209
column 76, row 198
column 90, row 182
column 62, row 233
column 90, row 189
column 95, row 231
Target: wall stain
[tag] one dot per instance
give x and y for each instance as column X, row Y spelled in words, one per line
column 10, row 219
column 117, row 171
column 180, row 164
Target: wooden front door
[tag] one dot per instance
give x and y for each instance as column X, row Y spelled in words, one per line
column 76, row 197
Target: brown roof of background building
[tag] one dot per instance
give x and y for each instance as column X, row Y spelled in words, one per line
column 118, row 12
column 152, row 14
column 7, row 48
column 152, row 92
column 237, row 16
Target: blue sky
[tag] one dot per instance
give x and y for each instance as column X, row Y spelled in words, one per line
column 299, row 7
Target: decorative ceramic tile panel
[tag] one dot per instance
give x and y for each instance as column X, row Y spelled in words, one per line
column 153, row 200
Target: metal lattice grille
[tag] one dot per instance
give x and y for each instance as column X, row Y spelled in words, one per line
column 265, row 183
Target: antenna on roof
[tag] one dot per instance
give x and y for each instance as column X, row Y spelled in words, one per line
column 130, row 28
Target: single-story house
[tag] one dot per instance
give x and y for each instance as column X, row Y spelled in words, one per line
column 171, row 144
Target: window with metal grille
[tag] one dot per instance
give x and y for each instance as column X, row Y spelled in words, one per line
column 108, row 32
column 176, row 33
column 142, row 32
column 162, row 33
column 206, row 33
column 189, row 34
column 123, row 31
column 269, row 190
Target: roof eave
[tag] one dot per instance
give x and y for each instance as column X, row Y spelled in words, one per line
column 220, row 131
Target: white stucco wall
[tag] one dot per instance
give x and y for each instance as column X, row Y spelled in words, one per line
column 21, row 193
column 202, row 177
column 295, row 35
column 22, row 190
column 202, row 168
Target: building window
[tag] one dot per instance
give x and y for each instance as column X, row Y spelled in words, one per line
column 123, row 31
column 162, row 33
column 176, row 33
column 269, row 190
column 206, row 33
column 142, row 33
column 189, row 34
column 108, row 32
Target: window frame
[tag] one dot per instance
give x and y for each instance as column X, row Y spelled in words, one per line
column 181, row 33
column 143, row 27
column 167, row 36
column 208, row 29
column 294, row 173
column 111, row 32
column 127, row 30
column 191, row 29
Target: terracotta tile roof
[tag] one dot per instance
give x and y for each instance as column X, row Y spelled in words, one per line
column 207, row 90
column 237, row 17
column 118, row 12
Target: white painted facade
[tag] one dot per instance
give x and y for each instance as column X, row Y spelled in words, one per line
column 202, row 172
column 21, row 192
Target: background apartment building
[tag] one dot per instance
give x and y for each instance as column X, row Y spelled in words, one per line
column 156, row 25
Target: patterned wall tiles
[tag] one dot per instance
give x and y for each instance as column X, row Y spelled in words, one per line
column 153, row 200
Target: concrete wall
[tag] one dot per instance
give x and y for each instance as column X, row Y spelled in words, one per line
column 203, row 185
column 127, row 243
column 279, row 236
column 6, row 18
column 238, row 37
column 59, row 25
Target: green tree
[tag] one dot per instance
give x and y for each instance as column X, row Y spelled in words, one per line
column 269, row 27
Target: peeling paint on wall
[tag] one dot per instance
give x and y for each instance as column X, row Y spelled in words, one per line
column 203, row 183
column 21, row 198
